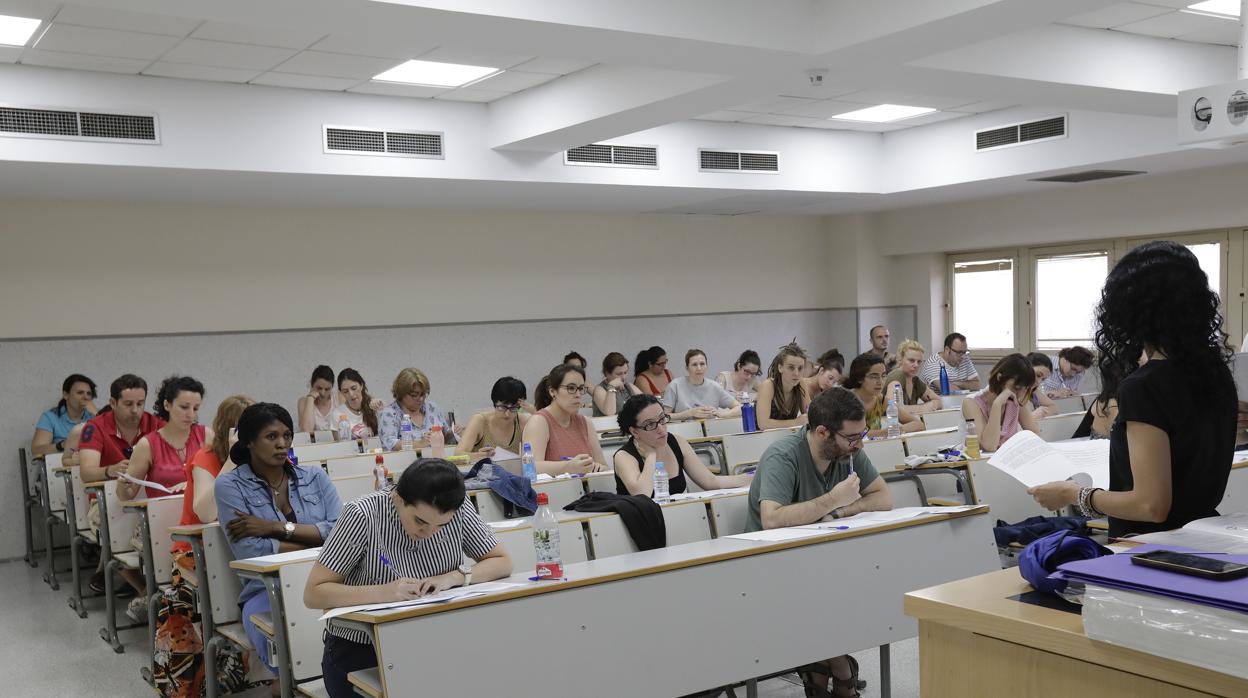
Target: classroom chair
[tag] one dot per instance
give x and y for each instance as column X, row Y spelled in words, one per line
column 1070, row 404
column 689, row 430
column 742, row 450
column 924, row 443
column 943, row 418
column 1060, row 427
column 729, row 515
column 885, row 454
column 301, row 438
column 30, row 500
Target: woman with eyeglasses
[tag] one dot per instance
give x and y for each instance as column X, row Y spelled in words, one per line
column 745, row 375
column 652, row 374
column 502, row 427
column 563, row 440
column 1001, row 410
column 610, row 394
column 411, row 397
column 782, row 398
column 644, row 422
column 866, row 380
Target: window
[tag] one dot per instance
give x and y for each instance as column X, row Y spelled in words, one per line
column 1209, row 254
column 1068, row 287
column 983, row 301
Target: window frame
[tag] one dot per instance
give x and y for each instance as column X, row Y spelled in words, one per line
column 1034, row 256
column 979, row 352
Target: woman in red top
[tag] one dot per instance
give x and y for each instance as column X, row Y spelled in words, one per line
column 161, row 456
column 563, row 441
column 198, row 504
column 652, row 374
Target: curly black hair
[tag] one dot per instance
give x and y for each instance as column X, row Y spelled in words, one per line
column 1157, row 295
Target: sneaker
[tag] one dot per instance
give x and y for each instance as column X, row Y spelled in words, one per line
column 137, row 609
column 97, row 583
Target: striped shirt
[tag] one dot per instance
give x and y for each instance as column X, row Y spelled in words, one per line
column 964, row 371
column 369, row 527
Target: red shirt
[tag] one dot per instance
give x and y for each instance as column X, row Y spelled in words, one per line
column 207, row 460
column 102, row 436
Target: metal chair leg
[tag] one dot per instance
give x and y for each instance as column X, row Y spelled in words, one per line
column 886, row 671
column 75, row 596
column 49, row 575
column 109, row 632
column 211, row 688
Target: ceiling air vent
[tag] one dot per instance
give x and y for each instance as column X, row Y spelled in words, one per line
column 363, row 141
column 1022, row 133
column 1088, row 176
column 737, row 161
column 78, row 125
column 609, row 155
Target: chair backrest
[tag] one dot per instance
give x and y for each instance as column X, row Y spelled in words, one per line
column 720, row 427
column 923, row 443
column 586, row 411
column 223, row 584
column 600, row 482
column 306, row 645
column 322, row 436
column 489, row 507
column 609, row 537
column 372, row 442
column 1060, row 427
column 746, row 449
column 162, row 513
column 689, row 430
column 561, row 492
column 1070, row 404
column 121, row 524
column 362, row 464
column 353, row 487
column 319, row 452
column 686, row 522
column 56, row 489
column 602, row 424
column 885, row 454
column 518, row 541
column 940, row 419
column 301, row 438
column 904, row 489
column 80, row 499
column 730, row 514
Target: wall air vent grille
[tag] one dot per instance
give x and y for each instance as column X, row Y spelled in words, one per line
column 710, row 160
column 1021, row 133
column 362, row 141
column 21, row 122
column 609, row 155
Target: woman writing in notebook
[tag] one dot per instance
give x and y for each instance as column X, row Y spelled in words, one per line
column 1170, row 446
column 652, row 374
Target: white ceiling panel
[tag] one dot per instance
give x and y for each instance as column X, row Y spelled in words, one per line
column 774, row 106
column 779, row 120
column 1173, row 4
column 105, row 42
column 78, row 61
column 513, row 81
column 306, row 82
column 1226, row 34
column 1115, row 15
column 910, row 99
column 553, row 66
column 394, row 89
column 369, row 46
column 226, row 55
column 337, row 65
column 472, row 56
column 827, row 90
column 282, row 37
column 126, row 21
column 823, row 108
column 471, row 94
column 10, row 54
column 726, row 115
column 200, row 72
column 982, row 107
column 1174, row 24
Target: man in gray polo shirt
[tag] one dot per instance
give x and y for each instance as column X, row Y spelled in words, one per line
column 820, row 472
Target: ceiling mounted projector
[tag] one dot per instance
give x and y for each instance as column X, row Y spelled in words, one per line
column 1214, row 116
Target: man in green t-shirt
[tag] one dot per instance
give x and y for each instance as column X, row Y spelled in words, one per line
column 818, row 473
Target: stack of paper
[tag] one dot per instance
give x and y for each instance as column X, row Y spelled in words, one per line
column 1224, row 534
column 709, row 494
column 440, row 597
column 1032, row 461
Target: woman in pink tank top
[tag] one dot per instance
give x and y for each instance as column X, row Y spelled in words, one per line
column 996, row 411
column 563, row 441
column 161, row 456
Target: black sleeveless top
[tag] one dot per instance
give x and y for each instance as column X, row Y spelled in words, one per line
column 675, row 483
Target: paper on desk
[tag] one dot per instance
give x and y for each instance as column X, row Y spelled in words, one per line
column 776, row 535
column 145, row 483
column 511, row 523
column 440, row 597
column 503, row 454
column 1030, row 460
column 708, row 494
column 875, row 518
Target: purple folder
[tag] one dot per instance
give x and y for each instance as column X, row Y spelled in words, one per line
column 1118, row 572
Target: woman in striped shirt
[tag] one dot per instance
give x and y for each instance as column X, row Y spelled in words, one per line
column 393, row 545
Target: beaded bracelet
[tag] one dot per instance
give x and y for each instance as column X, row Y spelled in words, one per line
column 1085, row 502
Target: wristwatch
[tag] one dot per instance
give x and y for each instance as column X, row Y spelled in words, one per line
column 466, row 570
column 289, row 529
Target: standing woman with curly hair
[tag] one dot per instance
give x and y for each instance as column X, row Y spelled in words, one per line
column 1171, row 443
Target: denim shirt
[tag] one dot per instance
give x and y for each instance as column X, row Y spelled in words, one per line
column 312, row 497
column 390, row 419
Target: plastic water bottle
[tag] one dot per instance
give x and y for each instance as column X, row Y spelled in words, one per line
column 660, row 483
column 972, row 440
column 528, row 466
column 546, row 540
column 380, row 476
column 892, row 422
column 749, row 419
column 344, row 430
column 944, row 380
column 437, row 442
column 405, row 433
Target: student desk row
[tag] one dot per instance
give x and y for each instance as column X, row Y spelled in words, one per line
column 662, row 605
column 976, row 639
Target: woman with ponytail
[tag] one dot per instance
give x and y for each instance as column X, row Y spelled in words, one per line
column 268, row 505
column 77, row 406
column 356, row 407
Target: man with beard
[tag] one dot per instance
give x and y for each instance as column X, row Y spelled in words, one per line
column 817, row 474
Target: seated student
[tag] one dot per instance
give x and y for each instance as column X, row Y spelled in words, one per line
column 807, row 477
column 356, row 407
column 502, row 427
column 70, row 459
column 782, row 400
column 956, row 359
column 879, row 337
column 1041, row 406
column 610, row 394
column 576, row 360
column 866, row 381
column 77, row 406
column 644, row 422
column 563, row 440
column 829, row 370
column 1103, row 411
column 742, row 381
column 997, row 410
column 210, row 462
column 266, row 505
column 917, row 397
column 315, row 409
column 397, row 544
column 694, row 397
column 1072, row 362
column 652, row 374
column 161, row 456
column 411, row 397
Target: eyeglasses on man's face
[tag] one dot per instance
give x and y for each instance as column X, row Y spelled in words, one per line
column 655, row 423
column 853, row 439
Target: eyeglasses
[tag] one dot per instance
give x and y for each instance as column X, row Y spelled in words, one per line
column 655, row 424
column 852, row 439
column 661, row 363
column 572, row 389
column 417, row 396
column 874, row 376
column 955, row 352
column 506, row 408
column 751, row 374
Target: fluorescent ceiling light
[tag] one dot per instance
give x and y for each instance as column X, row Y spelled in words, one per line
column 436, row 74
column 16, row 31
column 1225, row 9
column 883, row 113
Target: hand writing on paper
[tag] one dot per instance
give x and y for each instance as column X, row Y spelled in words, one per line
column 579, row 464
column 432, row 585
column 403, row 589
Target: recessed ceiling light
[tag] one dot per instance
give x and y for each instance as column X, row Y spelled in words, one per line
column 436, row 74
column 1224, row 9
column 883, row 113
column 16, row 31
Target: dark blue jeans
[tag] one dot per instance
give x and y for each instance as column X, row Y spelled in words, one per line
column 340, row 659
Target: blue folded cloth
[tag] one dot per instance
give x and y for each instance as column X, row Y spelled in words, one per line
column 1039, row 561
column 516, row 492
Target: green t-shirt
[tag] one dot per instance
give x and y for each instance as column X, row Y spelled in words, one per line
column 917, row 389
column 786, row 475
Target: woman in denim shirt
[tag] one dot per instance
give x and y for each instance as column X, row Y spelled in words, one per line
column 267, row 505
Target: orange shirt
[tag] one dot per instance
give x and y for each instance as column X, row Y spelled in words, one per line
column 204, row 458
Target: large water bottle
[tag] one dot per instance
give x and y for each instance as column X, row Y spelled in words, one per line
column 528, row 466
column 546, row 540
column 381, row 477
column 749, row 420
column 944, row 380
column 405, row 432
column 892, row 420
column 660, row 483
column 437, row 442
column 344, row 430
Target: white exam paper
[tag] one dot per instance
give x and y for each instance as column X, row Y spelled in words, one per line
column 440, row 597
column 1030, row 460
column 145, row 483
